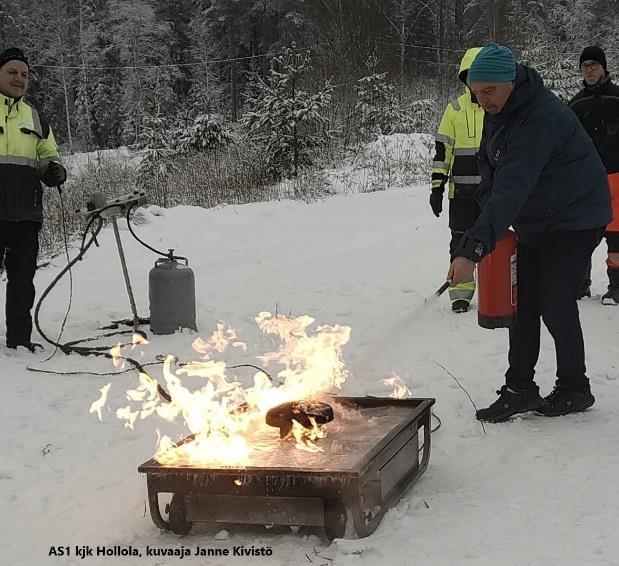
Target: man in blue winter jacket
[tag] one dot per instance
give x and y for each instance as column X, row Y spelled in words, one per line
column 541, row 175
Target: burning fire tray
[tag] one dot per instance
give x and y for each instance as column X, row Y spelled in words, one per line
column 370, row 456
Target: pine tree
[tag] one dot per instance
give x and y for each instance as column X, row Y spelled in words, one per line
column 53, row 23
column 400, row 15
column 285, row 120
column 87, row 53
column 562, row 78
column 377, row 109
column 142, row 44
column 206, row 94
column 205, row 134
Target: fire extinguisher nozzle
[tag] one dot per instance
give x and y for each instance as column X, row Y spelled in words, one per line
column 443, row 288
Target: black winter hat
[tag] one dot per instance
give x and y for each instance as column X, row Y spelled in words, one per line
column 593, row 53
column 12, row 54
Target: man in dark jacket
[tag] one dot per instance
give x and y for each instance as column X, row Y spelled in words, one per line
column 597, row 107
column 28, row 154
column 542, row 175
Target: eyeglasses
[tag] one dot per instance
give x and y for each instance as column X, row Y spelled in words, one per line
column 593, row 66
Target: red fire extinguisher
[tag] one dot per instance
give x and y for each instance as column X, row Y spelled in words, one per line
column 496, row 284
column 613, row 182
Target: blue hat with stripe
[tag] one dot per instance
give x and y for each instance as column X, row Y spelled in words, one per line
column 493, row 64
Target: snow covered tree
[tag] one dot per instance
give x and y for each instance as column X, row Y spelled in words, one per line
column 282, row 118
column 562, row 78
column 87, row 36
column 142, row 44
column 401, row 17
column 377, row 109
column 208, row 82
column 205, row 134
column 158, row 163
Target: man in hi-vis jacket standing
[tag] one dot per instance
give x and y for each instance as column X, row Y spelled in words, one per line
column 28, row 155
column 455, row 165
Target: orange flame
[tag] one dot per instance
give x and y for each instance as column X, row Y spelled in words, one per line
column 221, row 414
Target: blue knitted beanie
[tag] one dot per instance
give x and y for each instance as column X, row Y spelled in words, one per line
column 493, row 64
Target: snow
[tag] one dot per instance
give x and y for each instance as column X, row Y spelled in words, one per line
column 531, row 491
column 79, row 163
column 389, row 161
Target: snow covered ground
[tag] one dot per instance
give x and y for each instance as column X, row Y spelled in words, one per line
column 531, row 491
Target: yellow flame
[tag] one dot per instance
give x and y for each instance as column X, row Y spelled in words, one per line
column 219, row 412
column 306, row 438
column 218, row 342
column 116, row 353
column 138, row 340
column 97, row 405
column 400, row 389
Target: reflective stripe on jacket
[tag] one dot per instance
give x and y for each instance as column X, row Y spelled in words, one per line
column 26, row 145
column 457, row 141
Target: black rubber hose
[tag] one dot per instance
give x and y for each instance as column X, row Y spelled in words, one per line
column 83, row 249
column 167, row 254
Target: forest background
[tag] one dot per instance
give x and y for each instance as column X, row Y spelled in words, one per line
column 269, row 90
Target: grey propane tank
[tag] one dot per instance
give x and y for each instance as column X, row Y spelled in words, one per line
column 172, row 295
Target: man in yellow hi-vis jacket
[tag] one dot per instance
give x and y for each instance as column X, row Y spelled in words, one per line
column 455, row 164
column 28, row 155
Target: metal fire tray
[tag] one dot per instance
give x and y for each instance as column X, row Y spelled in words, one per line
column 367, row 464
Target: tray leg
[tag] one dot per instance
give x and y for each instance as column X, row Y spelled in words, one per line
column 177, row 515
column 339, row 519
column 155, row 513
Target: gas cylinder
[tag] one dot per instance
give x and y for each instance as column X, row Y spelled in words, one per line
column 496, row 285
column 172, row 295
column 613, row 183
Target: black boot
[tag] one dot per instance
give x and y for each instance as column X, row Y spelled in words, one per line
column 460, row 305
column 510, row 403
column 565, row 400
column 585, row 292
column 611, row 297
column 30, row 346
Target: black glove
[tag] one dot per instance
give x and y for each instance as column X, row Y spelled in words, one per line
column 436, row 201
column 54, row 174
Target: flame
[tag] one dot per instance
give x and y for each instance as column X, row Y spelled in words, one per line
column 116, row 353
column 220, row 413
column 400, row 389
column 306, row 438
column 219, row 341
column 97, row 405
column 138, row 340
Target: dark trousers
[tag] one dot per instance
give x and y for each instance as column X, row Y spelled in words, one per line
column 549, row 277
column 19, row 247
column 462, row 216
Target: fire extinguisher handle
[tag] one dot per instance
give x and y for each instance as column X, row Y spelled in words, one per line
column 443, row 288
